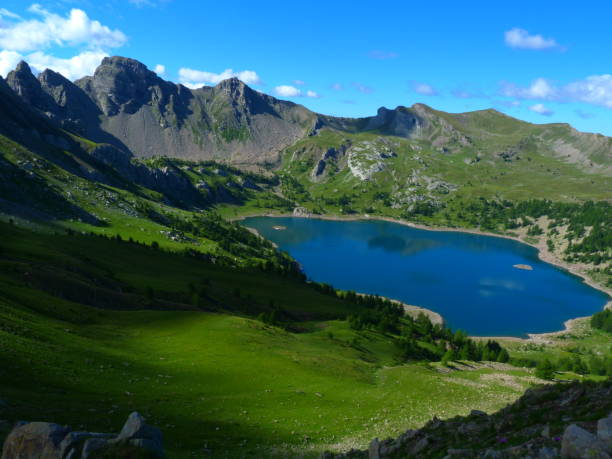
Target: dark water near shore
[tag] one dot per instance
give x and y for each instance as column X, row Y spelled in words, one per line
column 469, row 279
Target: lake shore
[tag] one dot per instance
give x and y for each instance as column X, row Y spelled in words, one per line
column 543, row 254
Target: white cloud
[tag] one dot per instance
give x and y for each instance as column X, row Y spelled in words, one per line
column 594, row 90
column 363, row 88
column 539, row 89
column 541, row 109
column 151, row 3
column 8, row 14
column 287, row 91
column 73, row 30
column 8, row 61
column 160, row 69
column 198, row 78
column 299, row 82
column 520, row 38
column 73, row 68
column 337, row 87
column 424, row 89
column 292, row 91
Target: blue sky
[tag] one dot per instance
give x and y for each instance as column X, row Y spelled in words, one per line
column 539, row 61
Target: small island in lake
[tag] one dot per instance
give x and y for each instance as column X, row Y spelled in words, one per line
column 525, row 267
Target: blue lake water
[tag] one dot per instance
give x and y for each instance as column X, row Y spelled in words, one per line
column 469, row 279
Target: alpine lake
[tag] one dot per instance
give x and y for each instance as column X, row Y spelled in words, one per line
column 472, row 280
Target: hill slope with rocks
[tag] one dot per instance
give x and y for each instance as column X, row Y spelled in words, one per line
column 554, row 421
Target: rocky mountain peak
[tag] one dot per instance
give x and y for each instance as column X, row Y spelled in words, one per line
column 400, row 121
column 121, row 84
column 52, row 78
column 235, row 88
column 116, row 65
column 24, row 83
column 23, row 68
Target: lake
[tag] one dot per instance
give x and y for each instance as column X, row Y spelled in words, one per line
column 467, row 278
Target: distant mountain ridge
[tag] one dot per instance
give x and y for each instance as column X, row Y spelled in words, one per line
column 125, row 104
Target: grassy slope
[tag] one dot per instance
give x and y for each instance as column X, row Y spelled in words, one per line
column 534, row 175
column 209, row 379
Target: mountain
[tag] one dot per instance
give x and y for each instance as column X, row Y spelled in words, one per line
column 130, row 107
column 125, row 104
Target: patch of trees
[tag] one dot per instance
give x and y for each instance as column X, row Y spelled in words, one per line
column 418, row 338
column 596, row 365
column 602, row 320
column 293, row 190
column 592, row 246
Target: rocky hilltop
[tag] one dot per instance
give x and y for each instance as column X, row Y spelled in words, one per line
column 125, row 104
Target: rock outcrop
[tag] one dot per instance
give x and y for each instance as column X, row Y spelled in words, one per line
column 554, row 421
column 44, row 440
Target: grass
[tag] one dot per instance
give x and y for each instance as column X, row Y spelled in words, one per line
column 210, row 377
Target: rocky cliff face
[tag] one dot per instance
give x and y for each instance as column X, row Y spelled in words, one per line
column 130, row 107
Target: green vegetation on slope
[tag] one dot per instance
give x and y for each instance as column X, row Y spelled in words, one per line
column 172, row 338
column 602, row 320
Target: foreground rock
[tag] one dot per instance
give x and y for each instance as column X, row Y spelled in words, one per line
column 44, row 440
column 571, row 421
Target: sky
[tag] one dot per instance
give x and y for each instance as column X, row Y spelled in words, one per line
column 539, row 61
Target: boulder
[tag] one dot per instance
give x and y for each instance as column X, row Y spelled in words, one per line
column 604, row 429
column 73, row 444
column 43, row 440
column 373, row 450
column 137, row 432
column 581, row 444
column 92, row 445
column 40, row 440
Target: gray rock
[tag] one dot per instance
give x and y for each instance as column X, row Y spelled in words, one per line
column 459, row 453
column 137, row 432
column 153, row 445
column 491, row 454
column 580, row 444
column 421, row 445
column 373, row 450
column 548, row 453
column 73, row 442
column 93, row 444
column 40, row 440
column 301, row 212
column 604, row 429
column 477, row 413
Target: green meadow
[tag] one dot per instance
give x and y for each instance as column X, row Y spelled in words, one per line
column 209, row 374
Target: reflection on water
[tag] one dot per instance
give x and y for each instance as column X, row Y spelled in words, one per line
column 506, row 284
column 468, row 278
column 403, row 245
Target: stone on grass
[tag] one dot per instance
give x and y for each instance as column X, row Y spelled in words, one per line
column 36, row 439
column 581, row 444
